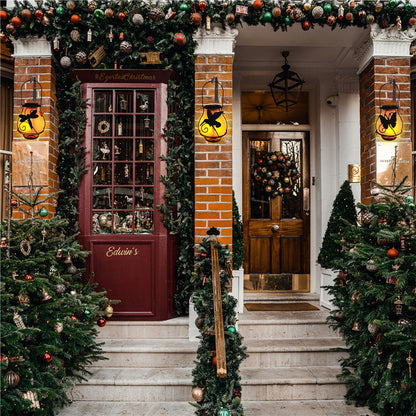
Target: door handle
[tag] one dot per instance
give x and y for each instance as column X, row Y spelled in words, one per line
column 275, row 228
column 306, row 200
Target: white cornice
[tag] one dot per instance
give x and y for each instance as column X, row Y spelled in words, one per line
column 384, row 43
column 32, row 47
column 217, row 41
column 347, row 83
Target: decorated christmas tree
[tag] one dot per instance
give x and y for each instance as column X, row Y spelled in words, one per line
column 343, row 209
column 48, row 312
column 375, row 299
column 216, row 377
column 238, row 242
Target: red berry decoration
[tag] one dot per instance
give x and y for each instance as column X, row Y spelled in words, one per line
column 412, row 21
column 39, row 14
column 28, row 277
column 392, row 253
column 179, row 39
column 196, row 18
column 257, row 4
column 101, row 322
column 47, row 357
column 305, row 26
column 75, row 19
column 3, row 15
column 121, row 16
column 237, row 393
column 16, row 22
column 203, row 255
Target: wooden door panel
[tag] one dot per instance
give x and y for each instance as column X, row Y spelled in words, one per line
column 260, row 254
column 289, row 262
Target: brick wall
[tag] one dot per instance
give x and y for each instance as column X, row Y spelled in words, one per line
column 213, row 161
column 378, row 72
column 43, row 69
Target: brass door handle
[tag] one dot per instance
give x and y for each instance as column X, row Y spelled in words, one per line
column 275, row 228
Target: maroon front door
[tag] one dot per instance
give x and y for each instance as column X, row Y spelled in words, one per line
column 132, row 253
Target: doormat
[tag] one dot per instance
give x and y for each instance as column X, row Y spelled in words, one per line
column 295, row 306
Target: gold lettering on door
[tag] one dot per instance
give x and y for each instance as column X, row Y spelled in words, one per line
column 118, row 251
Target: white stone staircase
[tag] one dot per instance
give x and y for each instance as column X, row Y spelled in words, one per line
column 291, row 369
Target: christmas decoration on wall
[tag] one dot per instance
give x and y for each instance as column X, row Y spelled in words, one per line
column 213, row 124
column 276, row 173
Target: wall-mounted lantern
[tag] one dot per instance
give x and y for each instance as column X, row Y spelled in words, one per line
column 389, row 124
column 213, row 124
column 30, row 121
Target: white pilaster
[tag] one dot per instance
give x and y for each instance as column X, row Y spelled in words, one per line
column 217, row 41
column 32, row 47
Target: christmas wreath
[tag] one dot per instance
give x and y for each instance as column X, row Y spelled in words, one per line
column 276, row 174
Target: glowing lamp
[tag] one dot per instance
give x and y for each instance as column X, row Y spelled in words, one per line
column 30, row 121
column 389, row 124
column 213, row 124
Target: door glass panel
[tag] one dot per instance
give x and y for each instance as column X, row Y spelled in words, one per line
column 259, row 202
column 123, row 161
column 292, row 203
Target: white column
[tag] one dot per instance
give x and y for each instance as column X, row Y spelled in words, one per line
column 32, row 47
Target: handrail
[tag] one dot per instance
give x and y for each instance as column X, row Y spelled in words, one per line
column 218, row 316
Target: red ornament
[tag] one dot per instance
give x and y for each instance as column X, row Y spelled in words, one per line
column 392, row 253
column 101, row 322
column 378, row 337
column 28, row 277
column 73, row 317
column 203, row 255
column 39, row 14
column 121, row 16
column 150, row 40
column 230, row 18
column 14, row 203
column 257, row 4
column 109, row 14
column 349, row 16
column 196, row 18
column 47, row 357
column 331, row 20
column 237, row 393
column 3, row 37
column 214, row 360
column 26, row 15
column 305, row 26
column 276, row 12
column 75, row 19
column 342, row 275
column 412, row 21
column 179, row 39
column 3, row 15
column 202, row 5
column 16, row 22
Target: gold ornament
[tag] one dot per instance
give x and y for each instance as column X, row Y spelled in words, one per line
column 25, row 247
column 23, row 299
column 59, row 327
column 33, row 398
column 356, row 327
column 18, row 321
column 398, row 306
column 108, row 311
column 197, row 394
column 46, row 295
column 409, row 361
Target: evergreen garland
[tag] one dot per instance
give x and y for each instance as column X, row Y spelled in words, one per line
column 238, row 238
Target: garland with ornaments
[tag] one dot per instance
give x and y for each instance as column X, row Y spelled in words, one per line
column 276, row 174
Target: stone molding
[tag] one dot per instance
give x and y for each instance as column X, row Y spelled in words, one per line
column 384, row 43
column 32, row 47
column 347, row 84
column 217, row 41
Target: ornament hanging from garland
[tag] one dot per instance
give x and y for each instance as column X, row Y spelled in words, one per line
column 277, row 174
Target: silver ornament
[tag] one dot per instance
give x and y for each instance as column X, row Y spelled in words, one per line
column 317, row 12
column 372, row 328
column 81, row 58
column 371, row 266
column 59, row 327
column 60, row 288
column 137, row 19
column 75, row 36
column 65, row 62
column 72, row 269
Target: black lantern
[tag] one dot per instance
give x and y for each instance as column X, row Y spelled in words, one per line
column 286, row 86
column 30, row 122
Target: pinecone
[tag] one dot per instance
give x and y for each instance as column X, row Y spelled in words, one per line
column 126, row 47
column 156, row 14
column 81, row 58
column 367, row 218
column 92, row 5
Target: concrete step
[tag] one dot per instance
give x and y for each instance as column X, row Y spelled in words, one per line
column 251, row 408
column 268, row 297
column 172, row 353
column 175, row 384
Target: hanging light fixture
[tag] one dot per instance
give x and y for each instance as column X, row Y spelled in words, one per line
column 30, row 122
column 389, row 124
column 286, row 86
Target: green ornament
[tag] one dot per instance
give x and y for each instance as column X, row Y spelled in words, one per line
column 412, row 205
column 183, row 7
column 392, row 3
column 267, row 17
column 287, row 21
column 408, row 199
column 232, row 329
column 98, row 13
column 60, row 11
column 223, row 412
column 43, row 212
column 87, row 313
column 408, row 7
column 327, row 8
column 269, row 174
column 227, row 252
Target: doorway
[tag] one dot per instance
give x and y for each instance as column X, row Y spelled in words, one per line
column 276, row 227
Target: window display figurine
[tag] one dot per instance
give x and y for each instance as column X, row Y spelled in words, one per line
column 105, row 151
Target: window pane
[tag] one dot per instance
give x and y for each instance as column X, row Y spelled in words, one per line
column 144, row 197
column 123, row 149
column 101, row 198
column 144, row 149
column 102, row 149
column 103, row 126
column 123, row 222
column 124, row 101
column 144, row 222
column 102, row 173
column 103, row 101
column 123, row 198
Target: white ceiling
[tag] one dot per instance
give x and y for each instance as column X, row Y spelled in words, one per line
column 314, row 53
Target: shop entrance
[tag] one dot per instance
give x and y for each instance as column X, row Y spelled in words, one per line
column 276, row 229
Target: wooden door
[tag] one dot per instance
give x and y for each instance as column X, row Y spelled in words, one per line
column 276, row 229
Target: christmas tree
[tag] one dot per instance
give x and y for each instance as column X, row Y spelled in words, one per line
column 238, row 242
column 216, row 395
column 375, row 299
column 48, row 312
column 343, row 209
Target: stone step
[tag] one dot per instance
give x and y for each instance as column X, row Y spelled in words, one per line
column 251, row 408
column 172, row 353
column 279, row 297
column 175, row 384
